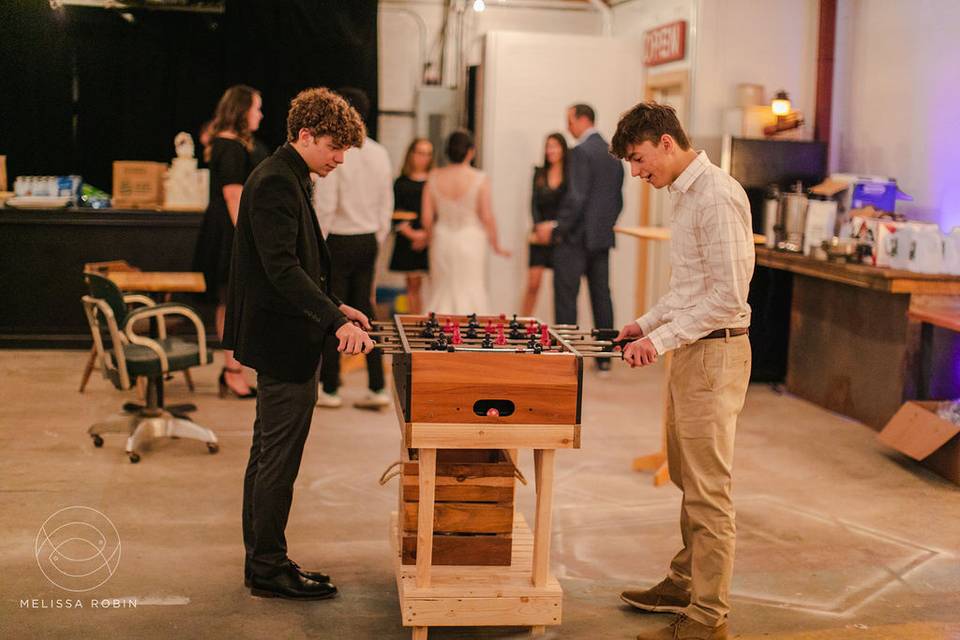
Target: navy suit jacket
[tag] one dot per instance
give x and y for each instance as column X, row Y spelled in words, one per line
column 594, row 196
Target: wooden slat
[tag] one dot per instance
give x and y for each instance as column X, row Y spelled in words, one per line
column 543, row 462
column 445, row 387
column 463, row 517
column 478, row 612
column 428, row 469
column 494, row 436
column 470, row 490
column 463, row 550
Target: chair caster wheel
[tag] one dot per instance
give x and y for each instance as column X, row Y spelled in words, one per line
column 213, row 447
column 97, row 441
column 134, row 457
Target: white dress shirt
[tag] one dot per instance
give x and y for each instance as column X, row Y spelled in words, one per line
column 711, row 259
column 357, row 197
column 586, row 134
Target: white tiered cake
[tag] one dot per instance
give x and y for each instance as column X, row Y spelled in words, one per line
column 186, row 186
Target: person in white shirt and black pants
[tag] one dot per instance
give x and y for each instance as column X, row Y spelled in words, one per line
column 354, row 207
column 704, row 318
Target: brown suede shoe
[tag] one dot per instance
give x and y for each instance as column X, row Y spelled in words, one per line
column 666, row 597
column 683, row 628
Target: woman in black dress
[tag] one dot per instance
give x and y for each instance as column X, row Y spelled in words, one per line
column 410, row 246
column 549, row 185
column 230, row 159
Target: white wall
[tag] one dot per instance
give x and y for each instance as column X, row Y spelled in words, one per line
column 529, row 81
column 769, row 42
column 897, row 90
column 407, row 26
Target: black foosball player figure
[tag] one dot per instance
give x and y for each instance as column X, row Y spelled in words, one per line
column 487, row 341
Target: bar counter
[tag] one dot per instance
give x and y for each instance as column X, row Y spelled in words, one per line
column 42, row 253
column 853, row 347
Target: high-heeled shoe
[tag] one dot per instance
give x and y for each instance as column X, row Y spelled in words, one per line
column 226, row 389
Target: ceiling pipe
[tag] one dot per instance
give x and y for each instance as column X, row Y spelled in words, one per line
column 605, row 14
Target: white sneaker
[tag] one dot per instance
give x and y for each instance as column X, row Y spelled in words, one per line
column 373, row 400
column 329, row 400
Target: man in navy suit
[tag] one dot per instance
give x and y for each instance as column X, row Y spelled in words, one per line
column 583, row 231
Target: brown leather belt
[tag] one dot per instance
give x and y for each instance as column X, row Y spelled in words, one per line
column 723, row 333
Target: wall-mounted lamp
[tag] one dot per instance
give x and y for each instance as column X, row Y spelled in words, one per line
column 780, row 104
column 479, row 5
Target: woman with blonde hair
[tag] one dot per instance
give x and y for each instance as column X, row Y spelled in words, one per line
column 229, row 156
column 410, row 245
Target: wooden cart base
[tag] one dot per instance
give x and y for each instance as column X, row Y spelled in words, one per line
column 478, row 596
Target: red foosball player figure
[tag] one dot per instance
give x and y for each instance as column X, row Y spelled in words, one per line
column 500, row 339
column 545, row 339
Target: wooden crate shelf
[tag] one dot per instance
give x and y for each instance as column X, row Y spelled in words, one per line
column 479, row 596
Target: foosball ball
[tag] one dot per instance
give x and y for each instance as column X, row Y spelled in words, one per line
column 470, row 391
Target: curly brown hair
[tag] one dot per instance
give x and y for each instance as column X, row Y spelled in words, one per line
column 647, row 122
column 324, row 113
column 231, row 113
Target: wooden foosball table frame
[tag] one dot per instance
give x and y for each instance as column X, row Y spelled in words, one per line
column 433, row 394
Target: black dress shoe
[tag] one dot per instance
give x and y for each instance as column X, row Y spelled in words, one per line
column 291, row 585
column 316, row 576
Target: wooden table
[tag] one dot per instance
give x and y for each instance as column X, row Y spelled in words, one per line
column 656, row 462
column 856, row 336
column 932, row 313
column 404, row 216
column 159, row 281
column 663, row 233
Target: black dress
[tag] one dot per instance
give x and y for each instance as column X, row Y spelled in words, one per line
column 546, row 203
column 230, row 163
column 407, row 196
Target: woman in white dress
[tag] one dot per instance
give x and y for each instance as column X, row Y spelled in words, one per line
column 459, row 223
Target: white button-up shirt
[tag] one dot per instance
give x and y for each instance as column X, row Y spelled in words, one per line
column 711, row 259
column 357, row 197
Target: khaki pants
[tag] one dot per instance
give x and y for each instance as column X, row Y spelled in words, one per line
column 708, row 382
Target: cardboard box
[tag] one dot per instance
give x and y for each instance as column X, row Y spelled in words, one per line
column 920, row 433
column 138, row 184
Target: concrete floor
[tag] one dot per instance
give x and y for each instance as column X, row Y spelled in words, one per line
column 838, row 538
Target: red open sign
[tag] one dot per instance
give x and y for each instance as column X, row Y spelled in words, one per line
column 664, row 44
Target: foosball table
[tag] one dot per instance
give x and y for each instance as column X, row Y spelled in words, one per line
column 470, row 392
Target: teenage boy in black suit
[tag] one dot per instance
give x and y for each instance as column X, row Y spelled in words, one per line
column 279, row 312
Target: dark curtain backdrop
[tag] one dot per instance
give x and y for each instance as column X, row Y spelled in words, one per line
column 83, row 87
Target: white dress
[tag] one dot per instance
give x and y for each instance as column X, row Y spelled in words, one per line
column 458, row 254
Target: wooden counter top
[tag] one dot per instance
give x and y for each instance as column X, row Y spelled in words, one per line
column 940, row 311
column 859, row 275
column 159, row 281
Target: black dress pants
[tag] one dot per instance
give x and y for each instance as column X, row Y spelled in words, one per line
column 354, row 261
column 570, row 263
column 284, row 412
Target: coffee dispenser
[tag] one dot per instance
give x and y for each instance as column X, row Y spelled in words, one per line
column 792, row 219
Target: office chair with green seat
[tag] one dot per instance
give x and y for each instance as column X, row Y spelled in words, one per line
column 131, row 355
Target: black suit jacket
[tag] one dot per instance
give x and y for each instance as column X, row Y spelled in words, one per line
column 594, row 196
column 279, row 305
